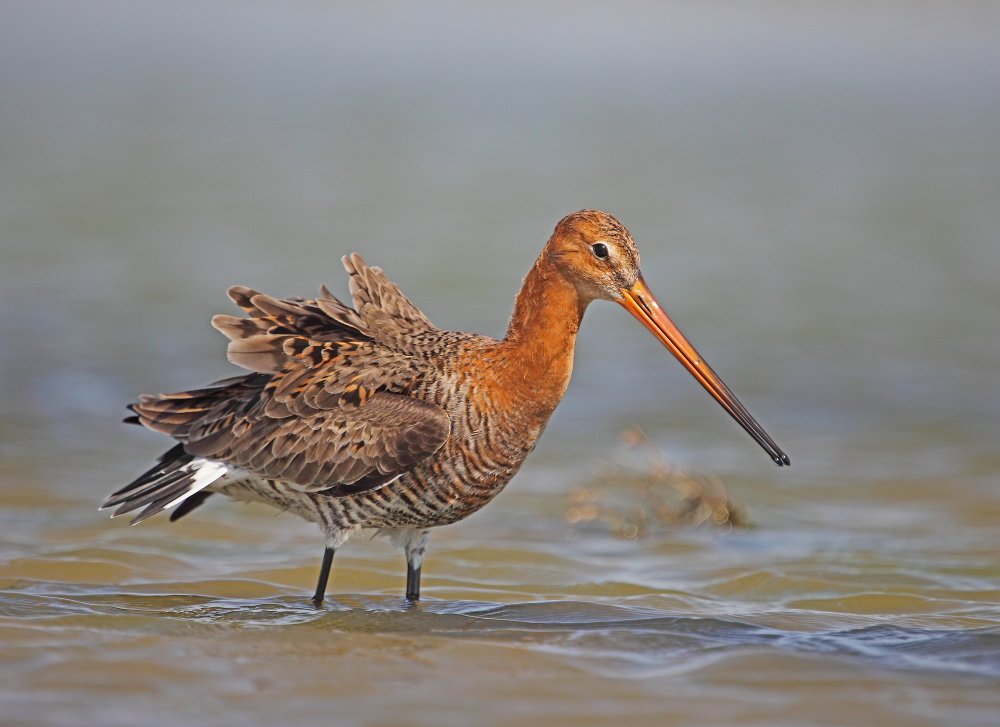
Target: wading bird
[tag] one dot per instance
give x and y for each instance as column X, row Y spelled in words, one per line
column 371, row 417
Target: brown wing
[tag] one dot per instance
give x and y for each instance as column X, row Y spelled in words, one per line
column 330, row 409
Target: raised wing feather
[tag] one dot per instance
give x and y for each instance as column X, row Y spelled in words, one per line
column 388, row 315
column 330, row 408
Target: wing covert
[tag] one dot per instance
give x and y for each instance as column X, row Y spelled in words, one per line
column 329, row 409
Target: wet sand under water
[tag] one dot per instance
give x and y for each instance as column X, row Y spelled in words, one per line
column 813, row 616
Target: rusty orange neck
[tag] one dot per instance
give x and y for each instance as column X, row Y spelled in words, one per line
column 541, row 336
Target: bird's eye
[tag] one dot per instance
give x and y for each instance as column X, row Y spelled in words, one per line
column 600, row 250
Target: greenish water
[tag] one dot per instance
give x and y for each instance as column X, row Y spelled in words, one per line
column 814, row 192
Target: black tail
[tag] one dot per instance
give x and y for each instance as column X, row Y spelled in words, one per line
column 159, row 487
column 192, row 503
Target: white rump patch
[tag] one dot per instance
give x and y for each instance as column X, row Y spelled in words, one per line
column 205, row 473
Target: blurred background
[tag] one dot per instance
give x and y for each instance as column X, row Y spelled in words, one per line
column 815, row 190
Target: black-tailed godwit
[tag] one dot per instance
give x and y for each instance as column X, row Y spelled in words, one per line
column 372, row 417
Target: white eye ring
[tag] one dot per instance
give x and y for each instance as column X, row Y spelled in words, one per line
column 600, row 250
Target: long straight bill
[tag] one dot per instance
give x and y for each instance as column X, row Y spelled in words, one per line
column 640, row 303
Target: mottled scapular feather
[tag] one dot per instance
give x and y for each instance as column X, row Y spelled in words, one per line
column 328, row 406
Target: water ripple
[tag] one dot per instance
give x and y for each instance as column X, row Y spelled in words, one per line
column 607, row 638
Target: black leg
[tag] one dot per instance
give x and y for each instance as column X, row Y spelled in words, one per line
column 324, row 576
column 412, row 583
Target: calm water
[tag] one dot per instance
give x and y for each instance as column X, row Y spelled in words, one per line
column 815, row 194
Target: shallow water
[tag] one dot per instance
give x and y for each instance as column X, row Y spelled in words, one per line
column 814, row 194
